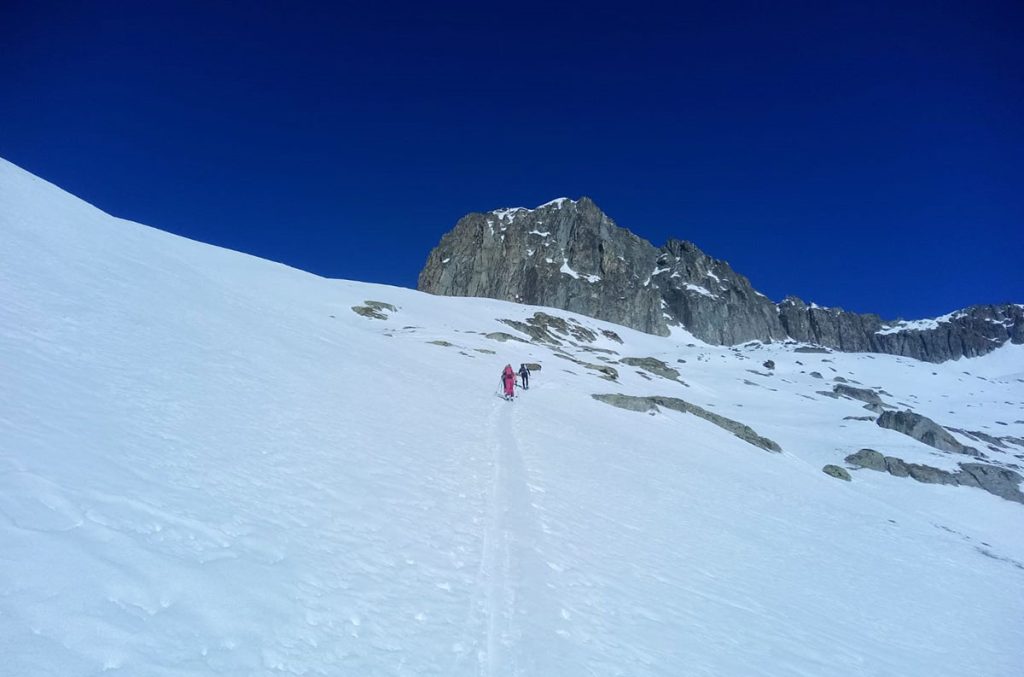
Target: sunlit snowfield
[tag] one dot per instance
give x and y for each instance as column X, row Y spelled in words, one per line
column 210, row 465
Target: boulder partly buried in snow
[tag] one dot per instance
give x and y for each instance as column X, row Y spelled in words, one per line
column 652, row 365
column 867, row 458
column 552, row 329
column 865, row 395
column 503, row 337
column 635, row 403
column 1001, row 482
column 377, row 310
column 837, row 472
column 610, row 373
column 925, row 430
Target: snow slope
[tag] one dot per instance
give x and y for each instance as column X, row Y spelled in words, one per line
column 209, row 464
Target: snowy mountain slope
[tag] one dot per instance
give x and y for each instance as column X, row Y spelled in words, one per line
column 209, row 464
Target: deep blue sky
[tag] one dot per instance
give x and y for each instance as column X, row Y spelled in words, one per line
column 869, row 155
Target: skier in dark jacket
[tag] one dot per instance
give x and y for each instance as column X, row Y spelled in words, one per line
column 524, row 375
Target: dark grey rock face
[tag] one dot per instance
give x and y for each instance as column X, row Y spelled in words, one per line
column 566, row 254
column 923, row 429
column 969, row 332
column 710, row 299
column 569, row 254
column 828, row 326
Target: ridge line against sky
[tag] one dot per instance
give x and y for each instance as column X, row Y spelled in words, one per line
column 866, row 157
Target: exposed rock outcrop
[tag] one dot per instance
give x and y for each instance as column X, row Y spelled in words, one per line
column 652, row 365
column 1001, row 482
column 862, row 394
column 552, row 330
column 569, row 254
column 651, row 403
column 925, row 430
column 565, row 254
column 867, row 458
column 503, row 337
column 377, row 310
column 837, row 472
column 969, row 332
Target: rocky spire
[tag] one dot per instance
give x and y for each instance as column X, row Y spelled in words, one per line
column 564, row 254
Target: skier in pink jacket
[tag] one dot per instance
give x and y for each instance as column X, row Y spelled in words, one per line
column 508, row 379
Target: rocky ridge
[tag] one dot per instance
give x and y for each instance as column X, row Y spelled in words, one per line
column 1001, row 482
column 569, row 254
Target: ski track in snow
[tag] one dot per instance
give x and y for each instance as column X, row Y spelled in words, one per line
column 513, row 609
column 497, row 554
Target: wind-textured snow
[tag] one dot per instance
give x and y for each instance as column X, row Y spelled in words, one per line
column 210, row 465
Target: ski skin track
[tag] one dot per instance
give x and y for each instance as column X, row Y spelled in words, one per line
column 514, row 596
column 523, row 635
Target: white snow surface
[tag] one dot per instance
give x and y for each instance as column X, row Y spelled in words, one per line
column 703, row 291
column 209, row 465
column 509, row 213
column 566, row 269
column 918, row 325
column 557, row 203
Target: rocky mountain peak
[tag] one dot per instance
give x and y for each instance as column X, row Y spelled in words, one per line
column 569, row 254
